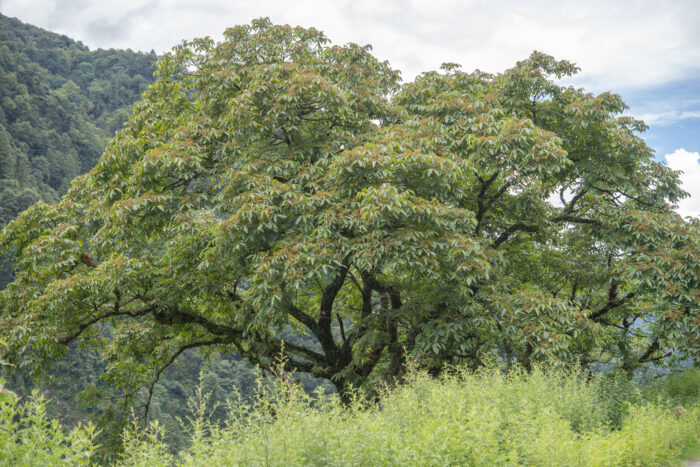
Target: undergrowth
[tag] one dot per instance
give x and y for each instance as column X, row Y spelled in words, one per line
column 546, row 417
column 485, row 418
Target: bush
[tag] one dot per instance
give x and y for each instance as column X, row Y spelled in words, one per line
column 677, row 389
column 484, row 418
column 29, row 438
column 552, row 417
column 615, row 392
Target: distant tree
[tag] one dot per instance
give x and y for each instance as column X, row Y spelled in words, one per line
column 6, row 159
column 275, row 182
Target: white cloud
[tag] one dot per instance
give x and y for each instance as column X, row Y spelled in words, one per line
column 689, row 164
column 668, row 118
column 632, row 43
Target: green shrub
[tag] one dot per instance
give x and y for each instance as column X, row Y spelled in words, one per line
column 552, row 417
column 29, row 438
column 615, row 393
column 484, row 418
column 677, row 389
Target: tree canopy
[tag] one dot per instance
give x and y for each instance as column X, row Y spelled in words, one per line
column 275, row 182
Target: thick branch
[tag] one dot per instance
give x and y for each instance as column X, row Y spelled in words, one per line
column 523, row 227
column 359, row 328
column 397, row 357
column 304, row 318
column 307, row 353
column 374, row 353
column 341, row 326
column 499, row 193
column 175, row 316
column 569, row 207
column 654, row 346
column 325, row 335
column 658, row 357
column 574, row 290
column 574, row 220
column 65, row 340
column 366, row 300
column 481, row 197
column 610, row 305
column 518, row 227
column 263, row 347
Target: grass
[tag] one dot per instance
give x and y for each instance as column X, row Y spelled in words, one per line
column 485, row 418
column 544, row 418
column 691, row 452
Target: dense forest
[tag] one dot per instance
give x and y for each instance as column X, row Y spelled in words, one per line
column 59, row 105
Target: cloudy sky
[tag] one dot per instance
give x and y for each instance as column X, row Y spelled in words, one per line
column 647, row 51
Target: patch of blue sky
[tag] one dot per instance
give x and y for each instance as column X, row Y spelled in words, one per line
column 672, row 112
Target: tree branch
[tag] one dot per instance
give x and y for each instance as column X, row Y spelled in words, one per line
column 325, row 335
column 609, row 306
column 481, row 207
column 658, row 357
column 518, row 227
column 279, row 347
column 574, row 219
column 308, row 353
column 569, row 207
column 654, row 346
column 342, row 328
column 304, row 318
column 65, row 340
column 170, row 316
column 169, row 362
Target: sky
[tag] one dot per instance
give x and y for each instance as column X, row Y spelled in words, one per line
column 646, row 51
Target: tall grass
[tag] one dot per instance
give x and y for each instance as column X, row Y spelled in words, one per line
column 552, row 417
column 29, row 438
column 486, row 418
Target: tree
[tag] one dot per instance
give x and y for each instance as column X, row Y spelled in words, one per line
column 273, row 182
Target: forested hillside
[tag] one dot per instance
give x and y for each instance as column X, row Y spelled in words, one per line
column 59, row 105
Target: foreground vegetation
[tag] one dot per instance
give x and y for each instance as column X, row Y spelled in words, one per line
column 462, row 418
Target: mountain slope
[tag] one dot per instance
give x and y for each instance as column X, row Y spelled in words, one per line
column 59, row 104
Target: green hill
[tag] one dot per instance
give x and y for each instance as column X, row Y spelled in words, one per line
column 60, row 103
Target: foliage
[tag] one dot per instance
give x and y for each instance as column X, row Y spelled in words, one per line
column 28, row 437
column 273, row 182
column 43, row 65
column 463, row 418
column 58, row 105
column 552, row 417
column 679, row 389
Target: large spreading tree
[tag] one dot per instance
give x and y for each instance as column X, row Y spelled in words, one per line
column 273, row 182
